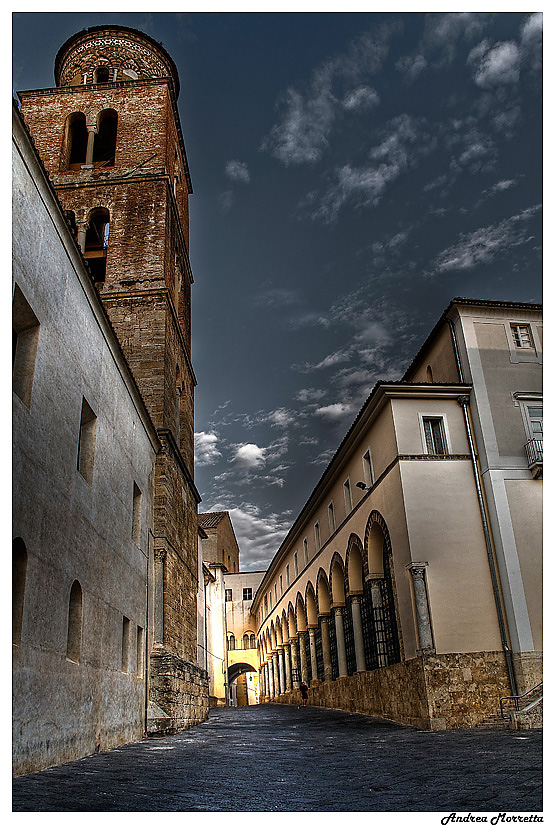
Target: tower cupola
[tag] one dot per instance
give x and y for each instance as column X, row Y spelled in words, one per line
column 108, row 54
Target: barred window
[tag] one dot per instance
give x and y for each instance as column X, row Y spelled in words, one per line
column 521, row 334
column 228, row 595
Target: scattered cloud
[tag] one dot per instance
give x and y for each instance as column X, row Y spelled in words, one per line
column 276, row 296
column 206, row 451
column 236, row 170
column 310, row 394
column 484, row 244
column 363, row 97
column 259, row 535
column 309, row 116
column 226, row 200
column 411, row 66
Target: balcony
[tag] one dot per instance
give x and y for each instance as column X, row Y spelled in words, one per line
column 533, row 451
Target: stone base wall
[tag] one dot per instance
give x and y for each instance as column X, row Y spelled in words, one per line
column 433, row 692
column 528, row 670
column 180, row 690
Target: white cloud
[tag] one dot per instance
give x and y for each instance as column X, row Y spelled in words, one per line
column 310, row 394
column 335, row 412
column 236, row 170
column 206, row 451
column 281, row 417
column 484, row 244
column 249, row 456
column 495, row 66
column 363, row 97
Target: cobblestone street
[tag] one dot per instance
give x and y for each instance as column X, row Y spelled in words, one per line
column 281, row 758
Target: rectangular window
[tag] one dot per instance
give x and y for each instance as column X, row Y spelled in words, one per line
column 534, row 413
column 331, row 518
column 125, row 644
column 136, row 515
column 270, row 600
column 265, row 606
column 139, row 652
column 521, row 334
column 367, row 469
column 87, row 438
column 247, row 594
column 317, row 535
column 305, row 552
column 228, row 595
column 275, row 593
column 25, row 327
column 348, row 501
column 295, row 565
column 281, row 587
column 287, row 575
column 435, row 438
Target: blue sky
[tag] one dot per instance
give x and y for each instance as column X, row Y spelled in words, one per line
column 351, row 173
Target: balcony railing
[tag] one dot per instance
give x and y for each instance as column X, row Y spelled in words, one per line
column 533, row 450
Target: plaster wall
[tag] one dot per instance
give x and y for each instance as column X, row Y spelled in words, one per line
column 72, row 529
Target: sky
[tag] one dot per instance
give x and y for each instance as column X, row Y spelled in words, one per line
column 352, row 172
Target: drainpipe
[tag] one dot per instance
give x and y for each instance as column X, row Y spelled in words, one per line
column 463, row 401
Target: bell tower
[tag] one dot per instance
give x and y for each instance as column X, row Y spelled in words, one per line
column 110, row 139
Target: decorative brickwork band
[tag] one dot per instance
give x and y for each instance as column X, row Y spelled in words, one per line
column 417, row 570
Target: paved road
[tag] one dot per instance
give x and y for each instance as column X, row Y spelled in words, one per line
column 281, row 758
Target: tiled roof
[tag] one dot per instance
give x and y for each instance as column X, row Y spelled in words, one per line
column 210, row 519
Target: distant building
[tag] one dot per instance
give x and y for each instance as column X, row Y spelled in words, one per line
column 409, row 586
column 230, row 649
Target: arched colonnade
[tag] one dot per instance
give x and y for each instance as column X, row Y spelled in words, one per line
column 344, row 621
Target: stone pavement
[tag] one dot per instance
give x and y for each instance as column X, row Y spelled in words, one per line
column 284, row 758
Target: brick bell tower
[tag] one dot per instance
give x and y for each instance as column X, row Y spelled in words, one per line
column 110, row 138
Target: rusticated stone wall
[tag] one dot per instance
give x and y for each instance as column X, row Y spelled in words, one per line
column 180, row 690
column 455, row 690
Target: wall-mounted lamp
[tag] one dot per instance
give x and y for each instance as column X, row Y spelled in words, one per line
column 362, row 485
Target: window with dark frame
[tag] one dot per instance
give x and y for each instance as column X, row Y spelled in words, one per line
column 434, row 436
column 247, row 594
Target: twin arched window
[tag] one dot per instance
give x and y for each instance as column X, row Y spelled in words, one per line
column 249, row 641
column 95, row 147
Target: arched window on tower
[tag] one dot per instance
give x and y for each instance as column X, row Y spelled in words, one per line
column 96, row 243
column 76, row 142
column 104, row 148
column 19, row 575
column 246, row 641
column 231, row 642
column 75, row 620
column 101, row 75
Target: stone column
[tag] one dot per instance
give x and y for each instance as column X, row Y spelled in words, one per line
column 281, row 669
column 267, row 681
column 358, row 633
column 295, row 665
column 325, row 635
column 288, row 666
column 91, row 132
column 276, row 684
column 417, row 570
column 340, row 642
column 303, row 657
column 313, row 649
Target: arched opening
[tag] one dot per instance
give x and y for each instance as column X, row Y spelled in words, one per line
column 337, row 582
column 378, row 607
column 101, row 75
column 243, row 685
column 104, row 148
column 429, row 374
column 355, row 570
column 19, row 576
column 75, row 619
column 76, row 141
column 96, row 243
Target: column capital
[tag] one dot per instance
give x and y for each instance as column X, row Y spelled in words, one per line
column 159, row 555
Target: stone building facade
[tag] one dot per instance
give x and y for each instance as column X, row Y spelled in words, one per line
column 83, row 467
column 110, row 139
column 409, row 585
column 230, row 647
